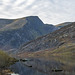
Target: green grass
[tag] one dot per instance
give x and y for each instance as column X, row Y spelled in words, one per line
column 6, row 60
column 16, row 24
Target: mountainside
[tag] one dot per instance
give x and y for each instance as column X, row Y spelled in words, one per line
column 54, row 40
column 15, row 32
column 63, row 24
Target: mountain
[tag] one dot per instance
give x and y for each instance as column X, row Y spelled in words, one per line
column 15, row 32
column 63, row 24
column 54, row 40
column 52, row 53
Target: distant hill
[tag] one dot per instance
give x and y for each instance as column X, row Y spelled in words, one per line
column 16, row 32
column 63, row 24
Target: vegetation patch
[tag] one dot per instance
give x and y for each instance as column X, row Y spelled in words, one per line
column 6, row 60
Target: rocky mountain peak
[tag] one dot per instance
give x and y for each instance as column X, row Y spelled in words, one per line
column 34, row 20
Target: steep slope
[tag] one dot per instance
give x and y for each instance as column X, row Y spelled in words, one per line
column 14, row 33
column 56, row 39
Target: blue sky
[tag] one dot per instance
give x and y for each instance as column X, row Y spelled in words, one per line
column 50, row 11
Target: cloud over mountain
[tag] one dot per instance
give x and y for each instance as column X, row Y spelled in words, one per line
column 50, row 11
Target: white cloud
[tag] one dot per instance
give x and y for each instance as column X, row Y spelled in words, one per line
column 50, row 11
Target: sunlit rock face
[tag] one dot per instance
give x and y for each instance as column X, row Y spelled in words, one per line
column 15, row 32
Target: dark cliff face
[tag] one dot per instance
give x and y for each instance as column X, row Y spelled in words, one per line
column 53, row 40
column 14, row 33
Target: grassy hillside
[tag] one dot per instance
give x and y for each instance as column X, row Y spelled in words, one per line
column 64, row 54
column 5, row 60
column 67, row 50
column 16, row 24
